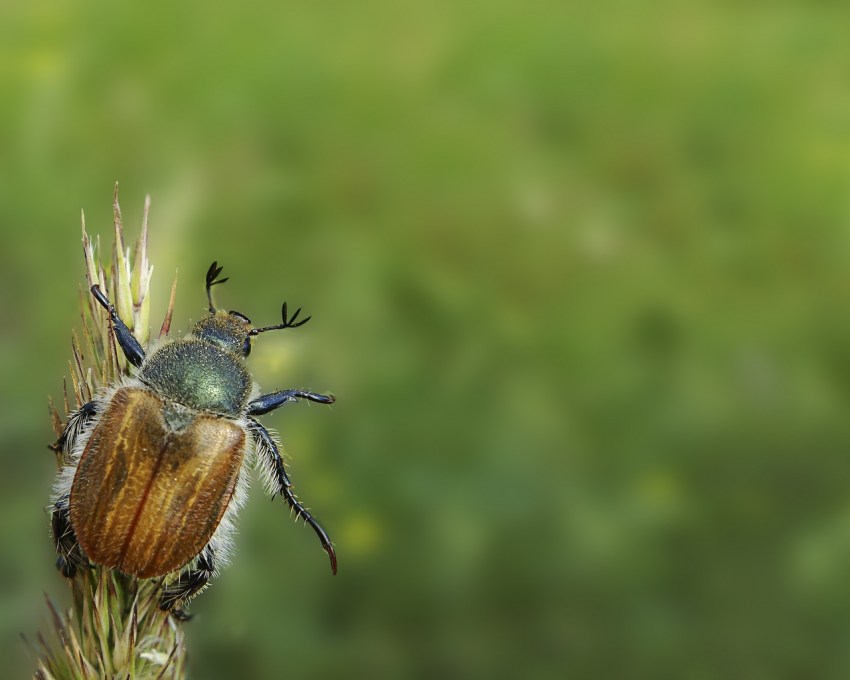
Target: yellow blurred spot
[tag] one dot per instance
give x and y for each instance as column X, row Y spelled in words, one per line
column 44, row 63
column 362, row 534
column 270, row 359
column 659, row 488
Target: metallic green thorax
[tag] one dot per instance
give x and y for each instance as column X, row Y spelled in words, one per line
column 205, row 372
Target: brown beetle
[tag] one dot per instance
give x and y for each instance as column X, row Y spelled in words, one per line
column 156, row 467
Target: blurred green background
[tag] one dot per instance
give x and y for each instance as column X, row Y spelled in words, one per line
column 578, row 274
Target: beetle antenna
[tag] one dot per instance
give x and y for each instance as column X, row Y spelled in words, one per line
column 285, row 323
column 213, row 280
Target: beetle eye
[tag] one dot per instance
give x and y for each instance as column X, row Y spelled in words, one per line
column 240, row 315
column 246, row 346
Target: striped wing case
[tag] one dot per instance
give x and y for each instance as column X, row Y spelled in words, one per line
column 147, row 496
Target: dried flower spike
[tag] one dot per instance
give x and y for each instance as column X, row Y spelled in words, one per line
column 114, row 627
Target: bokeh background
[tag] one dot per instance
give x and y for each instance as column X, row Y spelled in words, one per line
column 579, row 276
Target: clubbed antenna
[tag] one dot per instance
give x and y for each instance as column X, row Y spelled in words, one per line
column 213, row 280
column 286, row 323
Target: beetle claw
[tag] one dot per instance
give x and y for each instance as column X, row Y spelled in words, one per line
column 329, row 549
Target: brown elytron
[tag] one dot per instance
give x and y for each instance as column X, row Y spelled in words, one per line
column 148, row 494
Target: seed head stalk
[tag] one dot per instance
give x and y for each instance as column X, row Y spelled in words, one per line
column 114, row 627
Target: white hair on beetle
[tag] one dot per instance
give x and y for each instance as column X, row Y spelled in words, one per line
column 78, row 432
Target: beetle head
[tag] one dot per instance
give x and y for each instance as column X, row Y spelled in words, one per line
column 231, row 331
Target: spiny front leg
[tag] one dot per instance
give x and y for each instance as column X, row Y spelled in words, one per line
column 129, row 345
column 270, row 458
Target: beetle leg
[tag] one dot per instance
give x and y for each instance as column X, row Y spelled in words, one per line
column 75, row 424
column 70, row 556
column 131, row 347
column 271, row 460
column 178, row 593
column 269, row 402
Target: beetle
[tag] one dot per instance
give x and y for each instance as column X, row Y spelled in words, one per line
column 155, row 465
